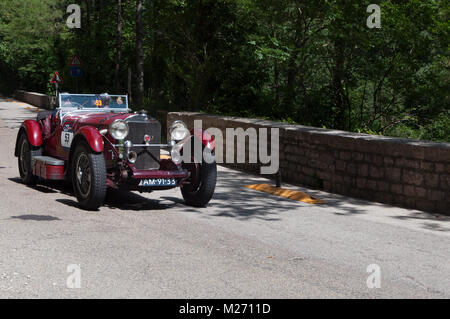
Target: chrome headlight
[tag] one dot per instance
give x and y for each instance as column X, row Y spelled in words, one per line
column 119, row 129
column 178, row 131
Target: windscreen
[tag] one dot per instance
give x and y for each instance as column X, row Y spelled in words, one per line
column 93, row 101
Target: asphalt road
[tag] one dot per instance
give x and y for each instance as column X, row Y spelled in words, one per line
column 246, row 244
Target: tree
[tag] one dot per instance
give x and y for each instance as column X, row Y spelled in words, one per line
column 118, row 45
column 309, row 62
column 139, row 54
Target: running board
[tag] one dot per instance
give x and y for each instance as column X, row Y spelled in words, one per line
column 47, row 167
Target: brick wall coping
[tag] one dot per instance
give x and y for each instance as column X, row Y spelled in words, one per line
column 384, row 144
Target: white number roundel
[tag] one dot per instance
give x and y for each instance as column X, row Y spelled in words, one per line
column 66, row 139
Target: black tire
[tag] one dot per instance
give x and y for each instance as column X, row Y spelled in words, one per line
column 26, row 152
column 199, row 194
column 88, row 177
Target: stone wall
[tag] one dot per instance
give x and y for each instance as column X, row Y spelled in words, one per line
column 37, row 99
column 401, row 172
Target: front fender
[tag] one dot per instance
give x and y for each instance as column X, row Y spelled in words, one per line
column 33, row 131
column 207, row 139
column 92, row 137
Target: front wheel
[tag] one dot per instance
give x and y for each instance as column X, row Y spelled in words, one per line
column 88, row 177
column 25, row 158
column 202, row 183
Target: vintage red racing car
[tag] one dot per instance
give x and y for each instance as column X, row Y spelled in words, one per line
column 98, row 143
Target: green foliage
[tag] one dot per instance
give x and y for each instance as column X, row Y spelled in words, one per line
column 309, row 62
column 27, row 34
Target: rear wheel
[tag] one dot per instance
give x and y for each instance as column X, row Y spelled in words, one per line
column 202, row 183
column 25, row 158
column 88, row 177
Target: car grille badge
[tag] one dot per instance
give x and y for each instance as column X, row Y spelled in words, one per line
column 148, row 139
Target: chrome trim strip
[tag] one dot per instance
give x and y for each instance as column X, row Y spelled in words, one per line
column 145, row 145
column 48, row 160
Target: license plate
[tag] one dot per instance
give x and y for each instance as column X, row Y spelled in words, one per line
column 152, row 182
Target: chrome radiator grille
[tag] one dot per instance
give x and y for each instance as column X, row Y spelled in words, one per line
column 148, row 157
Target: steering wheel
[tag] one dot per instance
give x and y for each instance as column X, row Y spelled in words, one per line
column 77, row 105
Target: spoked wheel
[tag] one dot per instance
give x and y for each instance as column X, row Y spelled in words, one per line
column 201, row 184
column 26, row 153
column 88, row 177
column 83, row 175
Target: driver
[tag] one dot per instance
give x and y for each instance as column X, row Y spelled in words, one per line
column 67, row 101
column 106, row 99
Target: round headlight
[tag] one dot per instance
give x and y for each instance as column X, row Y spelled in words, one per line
column 118, row 129
column 178, row 131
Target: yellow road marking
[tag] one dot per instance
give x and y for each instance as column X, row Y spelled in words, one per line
column 286, row 193
column 20, row 104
